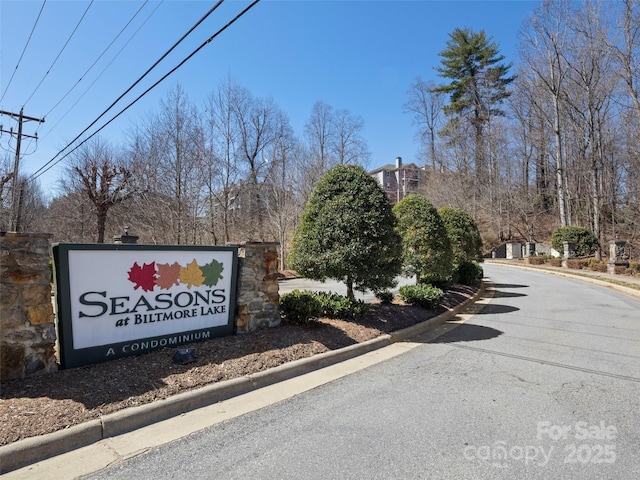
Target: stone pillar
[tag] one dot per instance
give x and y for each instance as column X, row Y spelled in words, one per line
column 530, row 249
column 258, row 303
column 617, row 255
column 27, row 328
column 514, row 250
column 125, row 238
column 569, row 253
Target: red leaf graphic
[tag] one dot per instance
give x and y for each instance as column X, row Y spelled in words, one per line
column 144, row 277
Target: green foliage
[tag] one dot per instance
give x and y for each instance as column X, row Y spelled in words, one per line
column 347, row 233
column 464, row 235
column 469, row 273
column 300, row 307
column 585, row 241
column 478, row 77
column 422, row 295
column 426, row 249
column 385, row 296
column 333, row 305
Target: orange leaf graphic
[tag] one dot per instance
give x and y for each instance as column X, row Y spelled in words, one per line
column 168, row 275
column 192, row 275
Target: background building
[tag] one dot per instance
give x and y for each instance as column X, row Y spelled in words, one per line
column 399, row 180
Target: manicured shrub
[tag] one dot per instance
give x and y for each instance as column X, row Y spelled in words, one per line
column 300, row 307
column 385, row 296
column 585, row 241
column 333, row 305
column 422, row 295
column 555, row 262
column 426, row 248
column 535, row 260
column 348, row 233
column 469, row 273
column 596, row 266
column 463, row 233
column 577, row 263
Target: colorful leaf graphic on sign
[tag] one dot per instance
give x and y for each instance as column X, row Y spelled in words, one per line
column 191, row 275
column 144, row 277
column 212, row 273
column 168, row 275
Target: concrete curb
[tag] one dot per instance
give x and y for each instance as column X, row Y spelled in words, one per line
column 31, row 450
column 583, row 276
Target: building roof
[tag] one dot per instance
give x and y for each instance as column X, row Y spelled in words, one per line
column 390, row 167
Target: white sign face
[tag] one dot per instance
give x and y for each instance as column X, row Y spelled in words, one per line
column 119, row 296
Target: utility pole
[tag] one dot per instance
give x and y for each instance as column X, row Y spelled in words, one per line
column 16, row 191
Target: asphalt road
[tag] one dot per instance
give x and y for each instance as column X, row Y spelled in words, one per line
column 336, row 287
column 542, row 383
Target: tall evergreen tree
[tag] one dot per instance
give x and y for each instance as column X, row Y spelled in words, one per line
column 479, row 81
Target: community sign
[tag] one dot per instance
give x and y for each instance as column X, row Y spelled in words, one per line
column 120, row 300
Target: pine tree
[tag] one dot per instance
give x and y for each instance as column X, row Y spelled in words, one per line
column 478, row 85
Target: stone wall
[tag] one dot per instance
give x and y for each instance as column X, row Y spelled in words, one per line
column 258, row 297
column 27, row 329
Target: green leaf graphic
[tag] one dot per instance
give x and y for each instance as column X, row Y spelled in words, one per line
column 212, row 273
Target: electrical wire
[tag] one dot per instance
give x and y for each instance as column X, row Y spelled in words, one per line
column 50, row 164
column 23, row 50
column 97, row 59
column 102, row 72
column 162, row 57
column 59, row 53
column 40, row 125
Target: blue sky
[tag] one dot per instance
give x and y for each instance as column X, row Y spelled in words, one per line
column 359, row 55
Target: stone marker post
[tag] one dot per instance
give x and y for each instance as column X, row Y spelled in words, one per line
column 27, row 328
column 569, row 253
column 617, row 255
column 258, row 288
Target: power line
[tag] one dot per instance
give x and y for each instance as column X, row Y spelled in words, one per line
column 59, row 53
column 15, row 193
column 103, row 70
column 50, row 164
column 162, row 57
column 23, row 50
column 97, row 59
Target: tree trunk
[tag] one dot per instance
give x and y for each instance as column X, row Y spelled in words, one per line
column 350, row 293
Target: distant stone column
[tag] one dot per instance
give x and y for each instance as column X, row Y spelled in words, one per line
column 258, row 303
column 569, row 253
column 27, row 325
column 514, row 250
column 530, row 249
column 617, row 255
column 125, row 238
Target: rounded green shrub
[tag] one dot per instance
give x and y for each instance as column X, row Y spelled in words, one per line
column 585, row 241
column 422, row 295
column 469, row 273
column 385, row 296
column 463, row 233
column 333, row 305
column 300, row 307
